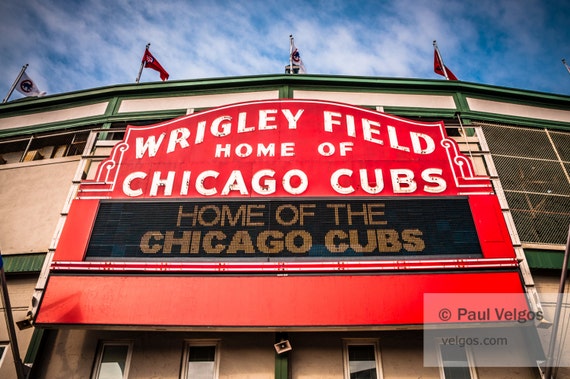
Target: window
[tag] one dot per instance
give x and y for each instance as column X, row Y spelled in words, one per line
column 43, row 146
column 2, row 352
column 455, row 362
column 113, row 360
column 362, row 359
column 201, row 360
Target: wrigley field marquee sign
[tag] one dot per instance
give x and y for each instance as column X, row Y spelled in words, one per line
column 286, row 148
column 285, row 179
column 348, row 213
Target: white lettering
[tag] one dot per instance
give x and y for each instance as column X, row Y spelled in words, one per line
column 288, row 149
column 393, row 137
column 335, row 181
column 368, row 131
column 345, row 147
column 403, row 181
column 416, row 143
column 268, row 186
column 326, row 149
column 433, row 175
column 264, row 118
column 235, row 183
column 185, row 183
column 226, row 149
column 244, row 150
column 151, row 145
column 303, row 182
column 292, row 119
column 329, row 121
column 220, row 128
column 178, row 136
column 200, row 180
column 127, row 189
column 200, row 131
column 158, row 182
column 241, row 123
column 365, row 183
column 265, row 151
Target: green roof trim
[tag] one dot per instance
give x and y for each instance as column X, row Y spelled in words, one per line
column 545, row 259
column 34, row 345
column 286, row 85
column 23, row 263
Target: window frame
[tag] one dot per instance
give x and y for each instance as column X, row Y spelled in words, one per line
column 3, row 345
column 99, row 357
column 361, row 342
column 188, row 344
column 468, row 354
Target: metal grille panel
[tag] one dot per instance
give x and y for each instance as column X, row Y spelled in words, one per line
column 531, row 175
column 534, row 178
column 540, row 218
column 562, row 144
column 518, row 142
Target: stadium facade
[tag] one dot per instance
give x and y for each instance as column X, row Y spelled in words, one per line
column 286, row 226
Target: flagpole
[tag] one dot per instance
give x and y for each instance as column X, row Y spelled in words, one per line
column 440, row 60
column 566, row 65
column 10, row 322
column 24, row 67
column 142, row 63
column 291, row 54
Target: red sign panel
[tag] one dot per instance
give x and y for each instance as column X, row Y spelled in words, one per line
column 285, row 148
column 274, row 187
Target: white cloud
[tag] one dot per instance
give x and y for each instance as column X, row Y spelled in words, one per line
column 91, row 43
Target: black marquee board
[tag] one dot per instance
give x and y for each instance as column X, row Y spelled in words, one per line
column 412, row 228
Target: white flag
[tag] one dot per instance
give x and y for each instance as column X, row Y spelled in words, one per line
column 296, row 58
column 27, row 87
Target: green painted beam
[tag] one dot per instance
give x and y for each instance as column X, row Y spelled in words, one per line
column 545, row 259
column 23, row 263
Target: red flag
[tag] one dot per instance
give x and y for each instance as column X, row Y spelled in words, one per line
column 438, row 67
column 150, row 62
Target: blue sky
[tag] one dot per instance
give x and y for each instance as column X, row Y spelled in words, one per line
column 81, row 44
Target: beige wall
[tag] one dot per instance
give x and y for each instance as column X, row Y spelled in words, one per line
column 316, row 355
column 159, row 354
column 548, row 286
column 32, row 196
column 248, row 355
column 20, row 289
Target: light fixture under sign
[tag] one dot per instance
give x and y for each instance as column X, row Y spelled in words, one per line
column 282, row 346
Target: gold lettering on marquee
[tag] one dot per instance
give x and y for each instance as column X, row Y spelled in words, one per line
column 183, row 242
column 413, row 241
column 357, row 246
column 306, row 238
column 270, row 241
column 145, row 246
column 388, row 241
column 209, row 248
column 331, row 239
column 294, row 218
column 241, row 241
